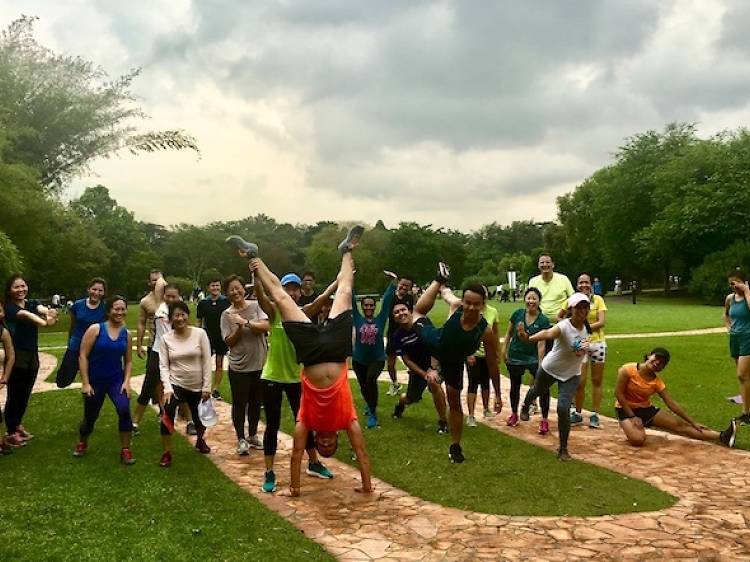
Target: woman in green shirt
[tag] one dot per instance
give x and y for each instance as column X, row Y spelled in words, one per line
column 737, row 321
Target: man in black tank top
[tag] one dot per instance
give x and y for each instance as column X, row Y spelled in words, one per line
column 463, row 332
column 403, row 296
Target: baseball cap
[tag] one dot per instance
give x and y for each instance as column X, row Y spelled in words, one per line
column 207, row 413
column 577, row 298
column 291, row 278
column 661, row 352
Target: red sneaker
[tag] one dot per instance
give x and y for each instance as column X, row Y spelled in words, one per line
column 543, row 427
column 15, row 440
column 202, row 446
column 126, row 456
column 80, row 449
column 23, row 434
column 166, row 460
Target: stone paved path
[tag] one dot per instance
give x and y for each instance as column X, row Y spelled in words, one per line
column 711, row 520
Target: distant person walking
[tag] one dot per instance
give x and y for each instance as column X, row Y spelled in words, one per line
column 737, row 321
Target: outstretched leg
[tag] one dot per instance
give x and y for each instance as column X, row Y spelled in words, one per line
column 289, row 310
column 427, row 299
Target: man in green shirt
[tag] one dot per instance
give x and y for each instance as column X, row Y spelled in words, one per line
column 555, row 287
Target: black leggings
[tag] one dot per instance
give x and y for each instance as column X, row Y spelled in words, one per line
column 246, row 397
column 20, row 384
column 367, row 376
column 479, row 374
column 273, row 396
column 192, row 398
column 515, row 372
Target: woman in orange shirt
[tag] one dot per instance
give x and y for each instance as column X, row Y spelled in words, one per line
column 636, row 383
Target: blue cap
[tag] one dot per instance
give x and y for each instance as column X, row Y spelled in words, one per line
column 291, row 278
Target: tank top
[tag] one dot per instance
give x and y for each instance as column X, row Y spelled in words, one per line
column 106, row 357
column 739, row 314
column 456, row 344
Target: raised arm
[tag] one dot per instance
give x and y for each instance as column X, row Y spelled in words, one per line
column 26, row 316
column 161, row 284
column 387, row 306
column 315, row 306
column 263, row 301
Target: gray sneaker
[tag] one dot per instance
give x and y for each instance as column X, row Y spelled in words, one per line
column 249, row 249
column 255, row 442
column 243, row 447
column 352, row 237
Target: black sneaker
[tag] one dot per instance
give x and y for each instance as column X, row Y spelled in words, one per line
column 442, row 427
column 728, row 436
column 216, row 395
column 398, row 411
column 563, row 455
column 744, row 419
column 248, row 249
column 455, row 454
column 352, row 237
column 443, row 273
column 524, row 413
column 190, row 428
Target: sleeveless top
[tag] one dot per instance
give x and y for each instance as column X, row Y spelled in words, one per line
column 739, row 314
column 456, row 343
column 106, row 357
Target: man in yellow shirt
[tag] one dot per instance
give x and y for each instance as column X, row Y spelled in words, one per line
column 555, row 287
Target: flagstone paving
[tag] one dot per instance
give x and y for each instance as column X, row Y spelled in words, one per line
column 710, row 521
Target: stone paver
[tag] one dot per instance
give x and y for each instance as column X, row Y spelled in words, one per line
column 709, row 521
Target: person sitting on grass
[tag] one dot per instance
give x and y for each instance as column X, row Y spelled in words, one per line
column 636, row 383
column 10, row 358
column 327, row 406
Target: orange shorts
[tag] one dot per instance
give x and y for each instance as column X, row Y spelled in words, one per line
column 327, row 409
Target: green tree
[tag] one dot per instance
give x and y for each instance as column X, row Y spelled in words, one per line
column 10, row 257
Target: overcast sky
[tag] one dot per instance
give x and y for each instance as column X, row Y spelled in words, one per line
column 450, row 113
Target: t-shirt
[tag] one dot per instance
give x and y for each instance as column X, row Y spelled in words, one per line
column 408, row 300
column 307, row 299
column 25, row 333
column 490, row 314
column 638, row 391
column 564, row 361
column 407, row 343
column 249, row 353
column 85, row 317
column 739, row 314
column 162, row 325
column 186, row 362
column 209, row 311
column 519, row 351
column 281, row 362
column 327, row 409
column 554, row 293
column 368, row 342
column 597, row 304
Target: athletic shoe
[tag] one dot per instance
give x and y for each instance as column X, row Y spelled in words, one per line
column 202, row 446
column 489, row 414
column 248, row 248
column 166, row 460
column 533, row 409
column 394, row 389
column 80, row 449
column 352, row 237
column 243, row 447
column 442, row 428
column 5, row 449
column 14, row 440
column 728, row 436
column 563, row 455
column 23, row 434
column 136, row 430
column 319, row 470
column 498, row 406
column 443, row 273
column 744, row 419
column 372, row 421
column 525, row 414
column 455, row 454
column 398, row 411
column 471, row 421
column 255, row 442
column 366, row 411
column 512, row 420
column 269, row 482
column 594, row 422
column 126, row 456
column 190, row 428
column 543, row 427
column 576, row 418
column 216, row 395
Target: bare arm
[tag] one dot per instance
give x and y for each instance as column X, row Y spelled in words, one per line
column 489, row 339
column 72, row 324
column 128, row 366
column 601, row 321
column 358, row 444
column 263, row 301
column 87, row 344
column 506, row 341
column 10, row 356
column 622, row 383
column 725, row 316
column 161, row 284
column 430, row 375
column 300, row 440
column 548, row 334
column 27, row 316
column 141, row 330
column 677, row 409
column 313, row 309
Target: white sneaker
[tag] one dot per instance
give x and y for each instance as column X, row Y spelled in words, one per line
column 243, row 447
column 489, row 414
column 533, row 409
column 255, row 442
column 471, row 421
column 394, row 389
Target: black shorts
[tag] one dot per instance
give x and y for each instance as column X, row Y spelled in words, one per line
column 416, row 388
column 151, row 380
column 322, row 343
column 646, row 414
column 453, row 374
column 218, row 345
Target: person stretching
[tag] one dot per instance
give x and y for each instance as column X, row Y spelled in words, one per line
column 636, row 383
column 185, row 369
column 460, row 336
column 327, row 406
column 105, row 362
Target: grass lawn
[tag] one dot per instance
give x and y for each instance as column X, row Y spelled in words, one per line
column 56, row 507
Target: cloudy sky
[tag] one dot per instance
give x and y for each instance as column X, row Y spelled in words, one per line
column 450, row 113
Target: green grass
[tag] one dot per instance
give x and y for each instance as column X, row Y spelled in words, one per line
column 56, row 507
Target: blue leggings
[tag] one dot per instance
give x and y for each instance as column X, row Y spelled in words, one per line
column 92, row 405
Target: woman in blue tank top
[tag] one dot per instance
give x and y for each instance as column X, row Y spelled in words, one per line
column 105, row 363
column 737, row 321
